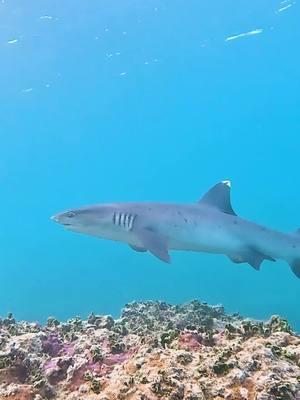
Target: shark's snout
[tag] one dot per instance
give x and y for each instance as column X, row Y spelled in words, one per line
column 54, row 218
column 62, row 218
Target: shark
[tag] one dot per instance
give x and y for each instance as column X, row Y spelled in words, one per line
column 209, row 225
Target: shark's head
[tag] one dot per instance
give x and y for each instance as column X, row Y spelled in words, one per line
column 93, row 220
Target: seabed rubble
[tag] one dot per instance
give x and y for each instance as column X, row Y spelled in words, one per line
column 154, row 351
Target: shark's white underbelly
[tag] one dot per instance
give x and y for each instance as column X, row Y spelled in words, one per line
column 205, row 240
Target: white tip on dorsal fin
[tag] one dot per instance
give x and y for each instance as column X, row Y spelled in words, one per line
column 219, row 197
column 228, row 183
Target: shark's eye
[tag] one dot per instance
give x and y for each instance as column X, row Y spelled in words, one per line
column 71, row 214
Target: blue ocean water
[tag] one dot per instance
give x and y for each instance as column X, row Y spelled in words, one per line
column 126, row 100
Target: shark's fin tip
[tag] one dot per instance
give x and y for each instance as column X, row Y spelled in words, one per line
column 227, row 183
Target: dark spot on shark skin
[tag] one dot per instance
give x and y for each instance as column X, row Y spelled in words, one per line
column 149, row 228
column 294, row 246
column 149, row 209
column 235, row 222
column 185, row 220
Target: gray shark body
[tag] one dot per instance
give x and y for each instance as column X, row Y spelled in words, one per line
column 209, row 226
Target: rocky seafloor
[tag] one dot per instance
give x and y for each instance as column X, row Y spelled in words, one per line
column 153, row 351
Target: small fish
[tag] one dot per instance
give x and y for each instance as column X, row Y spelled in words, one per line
column 251, row 33
column 210, row 225
column 48, row 17
column 284, row 8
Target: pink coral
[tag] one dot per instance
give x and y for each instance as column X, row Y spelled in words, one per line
column 190, row 341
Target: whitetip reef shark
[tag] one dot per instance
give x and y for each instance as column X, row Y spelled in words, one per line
column 209, row 226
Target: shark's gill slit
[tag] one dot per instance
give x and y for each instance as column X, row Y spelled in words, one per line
column 131, row 221
column 119, row 219
column 125, row 220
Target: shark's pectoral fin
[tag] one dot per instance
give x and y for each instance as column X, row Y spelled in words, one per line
column 295, row 267
column 139, row 249
column 250, row 256
column 156, row 243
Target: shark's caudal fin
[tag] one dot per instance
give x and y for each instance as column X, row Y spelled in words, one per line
column 295, row 267
column 219, row 197
column 295, row 264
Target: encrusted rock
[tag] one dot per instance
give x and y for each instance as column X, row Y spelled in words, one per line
column 153, row 351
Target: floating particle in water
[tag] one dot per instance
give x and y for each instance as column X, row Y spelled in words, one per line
column 146, row 62
column 106, row 30
column 123, row 73
column 155, row 9
column 46, row 17
column 96, row 38
column 124, row 33
column 284, row 8
column 240, row 35
column 13, row 41
column 155, row 60
column 47, row 85
column 28, row 90
column 109, row 55
column 117, row 53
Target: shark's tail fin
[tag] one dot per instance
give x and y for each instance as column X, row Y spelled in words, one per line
column 295, row 267
column 295, row 264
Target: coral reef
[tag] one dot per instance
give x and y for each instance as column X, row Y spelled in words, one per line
column 154, row 351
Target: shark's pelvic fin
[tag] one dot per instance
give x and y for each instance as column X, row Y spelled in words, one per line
column 139, row 249
column 295, row 267
column 219, row 197
column 155, row 243
column 252, row 257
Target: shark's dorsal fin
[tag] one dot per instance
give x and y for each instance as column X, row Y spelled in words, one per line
column 219, row 197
